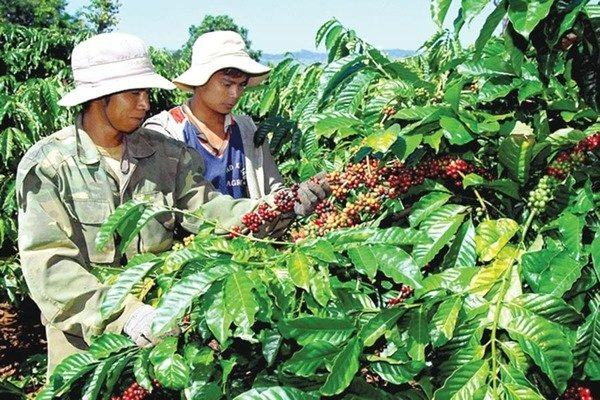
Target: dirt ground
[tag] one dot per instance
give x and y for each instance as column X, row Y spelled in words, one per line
column 21, row 336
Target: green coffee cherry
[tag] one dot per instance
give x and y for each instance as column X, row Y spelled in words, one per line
column 539, row 197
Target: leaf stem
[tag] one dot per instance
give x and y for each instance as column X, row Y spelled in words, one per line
column 480, row 199
column 495, row 322
column 526, row 226
column 215, row 224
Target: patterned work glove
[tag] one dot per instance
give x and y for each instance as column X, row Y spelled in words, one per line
column 310, row 192
column 138, row 326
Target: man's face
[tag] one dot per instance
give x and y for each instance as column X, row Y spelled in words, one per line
column 126, row 110
column 222, row 92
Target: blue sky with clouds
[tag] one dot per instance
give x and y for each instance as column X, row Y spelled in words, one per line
column 277, row 26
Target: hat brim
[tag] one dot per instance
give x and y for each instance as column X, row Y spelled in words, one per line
column 83, row 93
column 198, row 75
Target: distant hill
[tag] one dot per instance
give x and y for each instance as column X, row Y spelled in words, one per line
column 311, row 57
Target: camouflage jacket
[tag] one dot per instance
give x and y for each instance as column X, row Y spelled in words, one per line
column 65, row 191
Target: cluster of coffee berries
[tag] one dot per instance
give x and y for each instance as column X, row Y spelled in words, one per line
column 235, row 231
column 133, row 392
column 541, row 194
column 406, row 291
column 263, row 214
column 254, row 220
column 474, row 87
column 456, row 169
column 567, row 161
column 388, row 111
column 371, row 377
column 479, row 212
column 136, row 392
column 285, row 199
column 559, row 169
column 577, row 392
column 438, row 97
column 359, row 191
column 421, row 95
column 186, row 242
column 590, row 143
column 563, row 165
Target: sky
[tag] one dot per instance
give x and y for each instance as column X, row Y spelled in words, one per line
column 279, row 26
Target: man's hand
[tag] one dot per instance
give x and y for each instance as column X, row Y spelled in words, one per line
column 138, row 327
column 310, row 192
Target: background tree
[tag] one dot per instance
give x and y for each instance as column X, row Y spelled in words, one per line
column 34, row 13
column 102, row 15
column 215, row 23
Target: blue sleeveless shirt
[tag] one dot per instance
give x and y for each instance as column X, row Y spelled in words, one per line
column 227, row 173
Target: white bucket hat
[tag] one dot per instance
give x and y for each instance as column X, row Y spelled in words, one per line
column 217, row 50
column 110, row 63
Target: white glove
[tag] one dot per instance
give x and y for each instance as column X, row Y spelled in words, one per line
column 138, row 327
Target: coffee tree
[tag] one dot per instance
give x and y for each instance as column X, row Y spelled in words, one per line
column 33, row 65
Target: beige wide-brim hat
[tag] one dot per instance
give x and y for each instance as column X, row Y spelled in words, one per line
column 217, row 50
column 110, row 63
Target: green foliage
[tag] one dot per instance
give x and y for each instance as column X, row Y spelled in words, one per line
column 13, row 284
column 168, row 64
column 34, row 13
column 451, row 284
column 474, row 322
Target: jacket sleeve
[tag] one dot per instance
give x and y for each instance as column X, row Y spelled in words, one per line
column 264, row 179
column 59, row 280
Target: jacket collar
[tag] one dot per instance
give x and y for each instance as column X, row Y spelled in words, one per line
column 86, row 149
column 138, row 145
